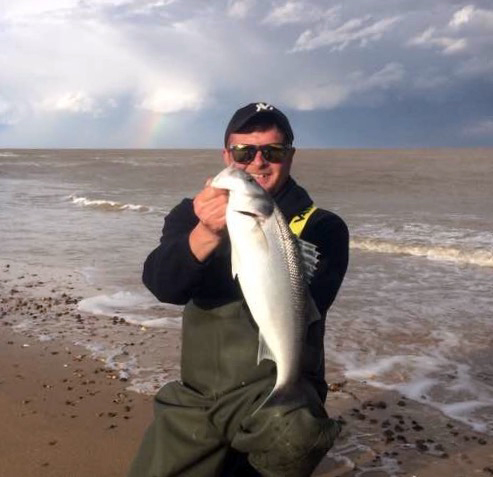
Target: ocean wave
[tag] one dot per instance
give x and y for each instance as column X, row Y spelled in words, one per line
column 421, row 379
column 135, row 308
column 109, row 205
column 479, row 257
column 8, row 154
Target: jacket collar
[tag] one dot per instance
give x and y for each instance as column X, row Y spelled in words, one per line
column 292, row 199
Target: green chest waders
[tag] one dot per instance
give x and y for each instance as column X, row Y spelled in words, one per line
column 202, row 420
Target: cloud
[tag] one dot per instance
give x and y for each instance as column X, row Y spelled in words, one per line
column 315, row 97
column 239, row 8
column 470, row 16
column 475, row 67
column 293, row 12
column 362, row 30
column 429, row 38
column 483, row 127
column 391, row 74
column 431, row 80
column 337, row 92
column 74, row 61
column 9, row 114
column 462, row 16
column 72, row 102
column 110, row 62
column 470, row 30
column 173, row 99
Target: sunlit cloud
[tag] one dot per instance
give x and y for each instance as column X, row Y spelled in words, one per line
column 472, row 16
column 430, row 38
column 294, row 12
column 73, row 102
column 470, row 29
column 462, row 16
column 240, row 8
column 360, row 31
column 172, row 99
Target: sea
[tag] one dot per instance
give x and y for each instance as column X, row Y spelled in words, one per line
column 415, row 311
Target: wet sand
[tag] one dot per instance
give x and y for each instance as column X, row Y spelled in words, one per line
column 65, row 413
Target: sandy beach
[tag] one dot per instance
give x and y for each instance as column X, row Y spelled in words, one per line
column 66, row 413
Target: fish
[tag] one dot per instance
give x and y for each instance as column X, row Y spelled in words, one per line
column 273, row 268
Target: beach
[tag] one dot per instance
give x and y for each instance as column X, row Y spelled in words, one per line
column 66, row 413
column 408, row 342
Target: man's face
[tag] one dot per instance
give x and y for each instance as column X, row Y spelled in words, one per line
column 271, row 176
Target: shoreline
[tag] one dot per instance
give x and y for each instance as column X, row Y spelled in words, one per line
column 67, row 413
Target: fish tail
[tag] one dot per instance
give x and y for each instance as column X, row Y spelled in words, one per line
column 281, row 396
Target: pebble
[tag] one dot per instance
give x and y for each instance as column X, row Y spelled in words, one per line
column 421, row 446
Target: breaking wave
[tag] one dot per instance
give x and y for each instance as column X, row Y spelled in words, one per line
column 110, row 205
column 478, row 257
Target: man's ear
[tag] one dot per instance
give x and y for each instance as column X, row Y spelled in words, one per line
column 291, row 156
column 227, row 157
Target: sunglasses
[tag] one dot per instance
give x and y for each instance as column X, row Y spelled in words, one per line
column 245, row 153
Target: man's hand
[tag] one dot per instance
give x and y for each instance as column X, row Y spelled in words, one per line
column 210, row 207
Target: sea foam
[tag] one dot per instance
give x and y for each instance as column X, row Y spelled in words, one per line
column 482, row 258
column 432, row 380
column 110, row 205
column 135, row 308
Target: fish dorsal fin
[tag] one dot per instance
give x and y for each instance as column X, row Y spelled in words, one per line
column 309, row 258
column 264, row 352
column 309, row 253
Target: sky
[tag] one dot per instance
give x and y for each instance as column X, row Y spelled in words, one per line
column 170, row 73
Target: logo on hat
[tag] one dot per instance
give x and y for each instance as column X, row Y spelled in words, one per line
column 263, row 107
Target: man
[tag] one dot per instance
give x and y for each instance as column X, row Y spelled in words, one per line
column 203, row 424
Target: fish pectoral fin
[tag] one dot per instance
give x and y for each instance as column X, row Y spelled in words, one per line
column 264, row 352
column 235, row 263
column 309, row 258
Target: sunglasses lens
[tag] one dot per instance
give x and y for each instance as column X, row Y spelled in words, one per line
column 274, row 153
column 244, row 154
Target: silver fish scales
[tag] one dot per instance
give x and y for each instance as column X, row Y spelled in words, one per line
column 273, row 273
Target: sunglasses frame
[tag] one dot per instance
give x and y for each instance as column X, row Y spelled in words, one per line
column 267, row 151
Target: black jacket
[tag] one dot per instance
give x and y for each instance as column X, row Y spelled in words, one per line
column 219, row 336
column 174, row 275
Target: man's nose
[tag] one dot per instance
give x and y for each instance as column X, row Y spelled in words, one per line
column 259, row 158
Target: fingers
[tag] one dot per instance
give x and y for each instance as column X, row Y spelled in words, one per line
column 210, row 207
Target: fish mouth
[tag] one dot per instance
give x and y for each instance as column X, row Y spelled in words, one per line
column 248, row 213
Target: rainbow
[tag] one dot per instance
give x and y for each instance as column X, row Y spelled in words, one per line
column 150, row 124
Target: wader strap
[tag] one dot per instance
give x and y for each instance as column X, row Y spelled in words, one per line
column 298, row 222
